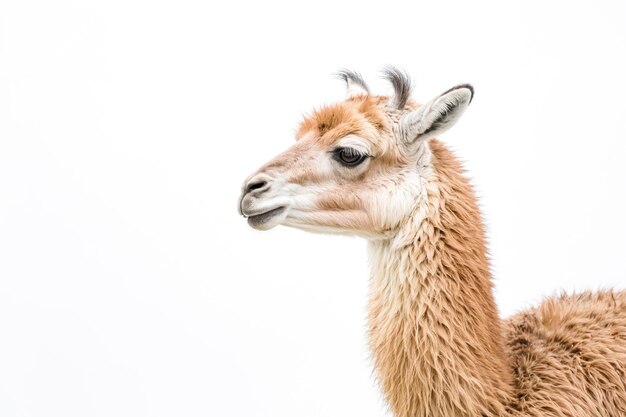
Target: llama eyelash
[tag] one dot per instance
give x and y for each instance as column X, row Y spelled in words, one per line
column 348, row 157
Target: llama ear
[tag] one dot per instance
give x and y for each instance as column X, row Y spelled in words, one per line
column 438, row 115
column 355, row 84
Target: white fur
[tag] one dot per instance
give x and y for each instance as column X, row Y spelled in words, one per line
column 444, row 110
column 353, row 141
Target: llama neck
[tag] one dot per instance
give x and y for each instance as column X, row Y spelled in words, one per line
column 434, row 327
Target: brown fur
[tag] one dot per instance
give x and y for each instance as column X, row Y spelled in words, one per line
column 359, row 115
column 569, row 356
column 440, row 348
column 344, row 118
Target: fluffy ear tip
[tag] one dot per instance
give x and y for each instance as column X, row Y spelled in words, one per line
column 468, row 87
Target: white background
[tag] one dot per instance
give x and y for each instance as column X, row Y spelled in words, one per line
column 129, row 286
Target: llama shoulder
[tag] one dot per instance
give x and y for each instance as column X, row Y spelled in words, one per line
column 572, row 318
column 576, row 344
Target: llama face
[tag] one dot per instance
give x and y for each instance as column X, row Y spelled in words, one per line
column 358, row 167
column 345, row 174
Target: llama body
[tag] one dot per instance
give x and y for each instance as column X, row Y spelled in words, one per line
column 370, row 166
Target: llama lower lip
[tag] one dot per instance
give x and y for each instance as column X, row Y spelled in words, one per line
column 258, row 219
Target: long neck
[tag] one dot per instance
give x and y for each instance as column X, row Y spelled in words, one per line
column 434, row 327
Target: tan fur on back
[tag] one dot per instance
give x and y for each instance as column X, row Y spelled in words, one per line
column 439, row 347
column 569, row 356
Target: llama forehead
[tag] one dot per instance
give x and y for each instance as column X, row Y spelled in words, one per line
column 363, row 116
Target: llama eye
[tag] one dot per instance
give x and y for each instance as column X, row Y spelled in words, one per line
column 348, row 157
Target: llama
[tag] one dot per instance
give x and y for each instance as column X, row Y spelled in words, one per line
column 370, row 166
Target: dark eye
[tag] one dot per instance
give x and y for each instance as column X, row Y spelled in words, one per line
column 348, row 157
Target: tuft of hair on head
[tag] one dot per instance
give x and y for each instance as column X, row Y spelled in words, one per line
column 354, row 82
column 401, row 83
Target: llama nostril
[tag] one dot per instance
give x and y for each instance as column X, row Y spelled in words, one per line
column 255, row 186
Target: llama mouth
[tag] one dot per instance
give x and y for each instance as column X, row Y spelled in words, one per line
column 259, row 219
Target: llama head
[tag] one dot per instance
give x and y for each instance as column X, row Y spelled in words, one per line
column 358, row 167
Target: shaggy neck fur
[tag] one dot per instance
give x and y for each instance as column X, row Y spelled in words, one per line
column 434, row 328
